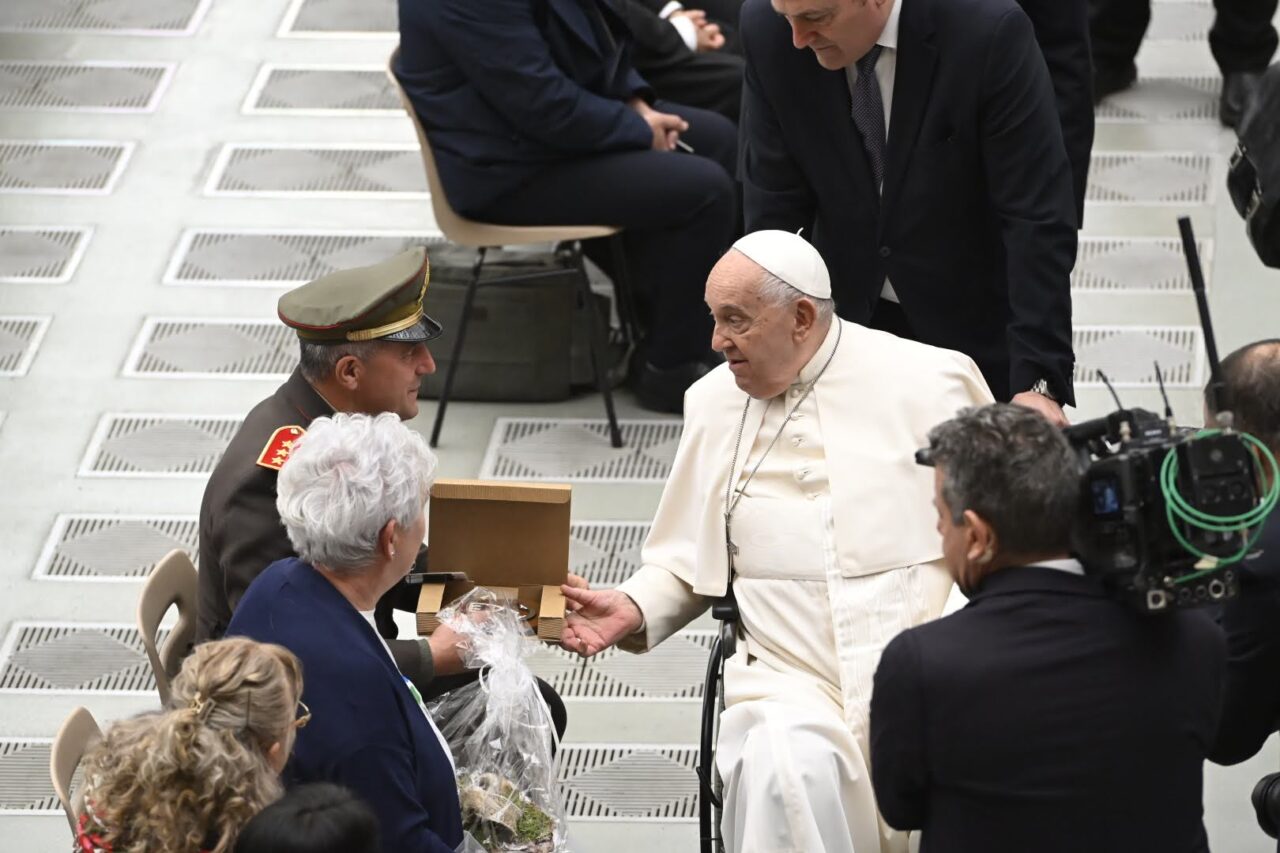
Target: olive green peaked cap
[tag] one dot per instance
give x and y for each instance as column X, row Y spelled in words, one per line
column 382, row 302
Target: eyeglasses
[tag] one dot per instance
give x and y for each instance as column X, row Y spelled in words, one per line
column 304, row 715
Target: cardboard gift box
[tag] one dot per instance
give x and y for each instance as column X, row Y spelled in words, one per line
column 512, row 538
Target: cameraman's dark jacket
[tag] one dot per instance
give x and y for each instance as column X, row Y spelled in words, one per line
column 1251, row 700
column 1047, row 717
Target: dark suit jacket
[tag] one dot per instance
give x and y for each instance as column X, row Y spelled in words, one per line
column 711, row 80
column 240, row 529
column 505, row 87
column 976, row 227
column 1062, row 31
column 1251, row 701
column 1046, row 716
column 367, row 731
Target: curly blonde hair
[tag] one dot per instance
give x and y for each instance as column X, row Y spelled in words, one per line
column 197, row 771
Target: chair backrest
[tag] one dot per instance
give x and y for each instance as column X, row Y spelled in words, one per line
column 78, row 733
column 457, row 228
column 172, row 582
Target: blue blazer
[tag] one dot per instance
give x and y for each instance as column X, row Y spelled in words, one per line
column 367, row 731
column 505, row 87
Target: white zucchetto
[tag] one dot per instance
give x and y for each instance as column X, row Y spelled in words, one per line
column 791, row 258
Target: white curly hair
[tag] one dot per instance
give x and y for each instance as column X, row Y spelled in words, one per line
column 345, row 479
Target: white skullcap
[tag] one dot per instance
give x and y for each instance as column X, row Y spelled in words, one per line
column 791, row 258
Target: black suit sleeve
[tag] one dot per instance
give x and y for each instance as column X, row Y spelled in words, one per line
column 775, row 194
column 653, row 37
column 1029, row 185
column 1251, row 697
column 499, row 48
column 899, row 771
column 1062, row 31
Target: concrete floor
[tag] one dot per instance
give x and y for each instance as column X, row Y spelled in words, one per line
column 198, row 85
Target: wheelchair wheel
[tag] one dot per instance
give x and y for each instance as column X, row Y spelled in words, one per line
column 711, row 786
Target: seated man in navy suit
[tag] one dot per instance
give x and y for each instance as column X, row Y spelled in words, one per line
column 352, row 498
column 1046, row 715
column 536, row 117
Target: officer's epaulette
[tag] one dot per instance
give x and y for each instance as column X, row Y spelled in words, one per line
column 273, row 456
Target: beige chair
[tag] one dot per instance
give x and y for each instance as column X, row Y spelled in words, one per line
column 172, row 582
column 79, row 732
column 483, row 236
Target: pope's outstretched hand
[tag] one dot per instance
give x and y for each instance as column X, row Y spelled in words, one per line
column 602, row 618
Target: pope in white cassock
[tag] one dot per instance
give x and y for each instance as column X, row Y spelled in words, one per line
column 805, row 438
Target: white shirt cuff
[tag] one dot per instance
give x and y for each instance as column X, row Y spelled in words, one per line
column 687, row 29
column 670, row 9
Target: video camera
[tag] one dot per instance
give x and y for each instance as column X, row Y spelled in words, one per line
column 1166, row 513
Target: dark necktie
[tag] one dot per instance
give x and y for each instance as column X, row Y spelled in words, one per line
column 868, row 113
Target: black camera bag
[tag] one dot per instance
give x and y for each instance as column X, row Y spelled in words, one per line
column 1253, row 178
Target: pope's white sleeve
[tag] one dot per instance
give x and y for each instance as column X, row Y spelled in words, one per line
column 663, row 587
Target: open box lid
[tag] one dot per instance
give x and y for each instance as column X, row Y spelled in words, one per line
column 500, row 534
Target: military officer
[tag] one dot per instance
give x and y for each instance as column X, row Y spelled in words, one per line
column 363, row 348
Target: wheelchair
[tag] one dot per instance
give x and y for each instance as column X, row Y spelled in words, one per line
column 711, row 788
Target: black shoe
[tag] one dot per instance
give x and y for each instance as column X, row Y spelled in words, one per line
column 1109, row 79
column 662, row 389
column 1237, row 91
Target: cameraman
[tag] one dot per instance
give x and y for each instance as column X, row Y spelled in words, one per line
column 1251, row 704
column 1045, row 715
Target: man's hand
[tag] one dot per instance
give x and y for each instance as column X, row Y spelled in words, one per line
column 445, row 656
column 710, row 38
column 709, row 35
column 665, row 126
column 1042, row 404
column 577, row 582
column 601, row 618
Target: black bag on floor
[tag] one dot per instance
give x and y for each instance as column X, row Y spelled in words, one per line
column 1253, row 179
column 524, row 332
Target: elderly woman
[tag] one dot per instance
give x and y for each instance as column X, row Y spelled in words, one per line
column 351, row 498
column 190, row 777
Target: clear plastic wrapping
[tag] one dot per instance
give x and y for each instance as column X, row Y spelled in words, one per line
column 500, row 732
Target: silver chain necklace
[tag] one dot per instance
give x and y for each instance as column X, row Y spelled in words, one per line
column 730, row 500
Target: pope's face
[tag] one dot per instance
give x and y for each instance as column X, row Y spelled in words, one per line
column 389, row 379
column 839, row 32
column 763, row 343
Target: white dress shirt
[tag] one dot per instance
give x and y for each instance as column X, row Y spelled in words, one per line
column 886, row 70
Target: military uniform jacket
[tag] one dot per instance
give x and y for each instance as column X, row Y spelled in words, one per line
column 240, row 529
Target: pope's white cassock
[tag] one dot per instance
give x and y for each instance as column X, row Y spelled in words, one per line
column 837, row 553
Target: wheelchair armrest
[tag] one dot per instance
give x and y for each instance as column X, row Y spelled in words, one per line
column 725, row 608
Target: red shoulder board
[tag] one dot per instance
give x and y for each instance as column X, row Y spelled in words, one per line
column 273, row 456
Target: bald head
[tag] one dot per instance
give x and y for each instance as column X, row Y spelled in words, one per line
column 1251, row 390
column 766, row 329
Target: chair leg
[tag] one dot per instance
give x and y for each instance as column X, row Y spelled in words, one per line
column 468, row 300
column 627, row 313
column 599, row 359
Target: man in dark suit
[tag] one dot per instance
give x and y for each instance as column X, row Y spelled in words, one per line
column 706, row 75
column 536, row 117
column 1251, row 702
column 956, row 227
column 1242, row 40
column 1046, row 715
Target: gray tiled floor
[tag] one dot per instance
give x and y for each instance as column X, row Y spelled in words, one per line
column 168, row 167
